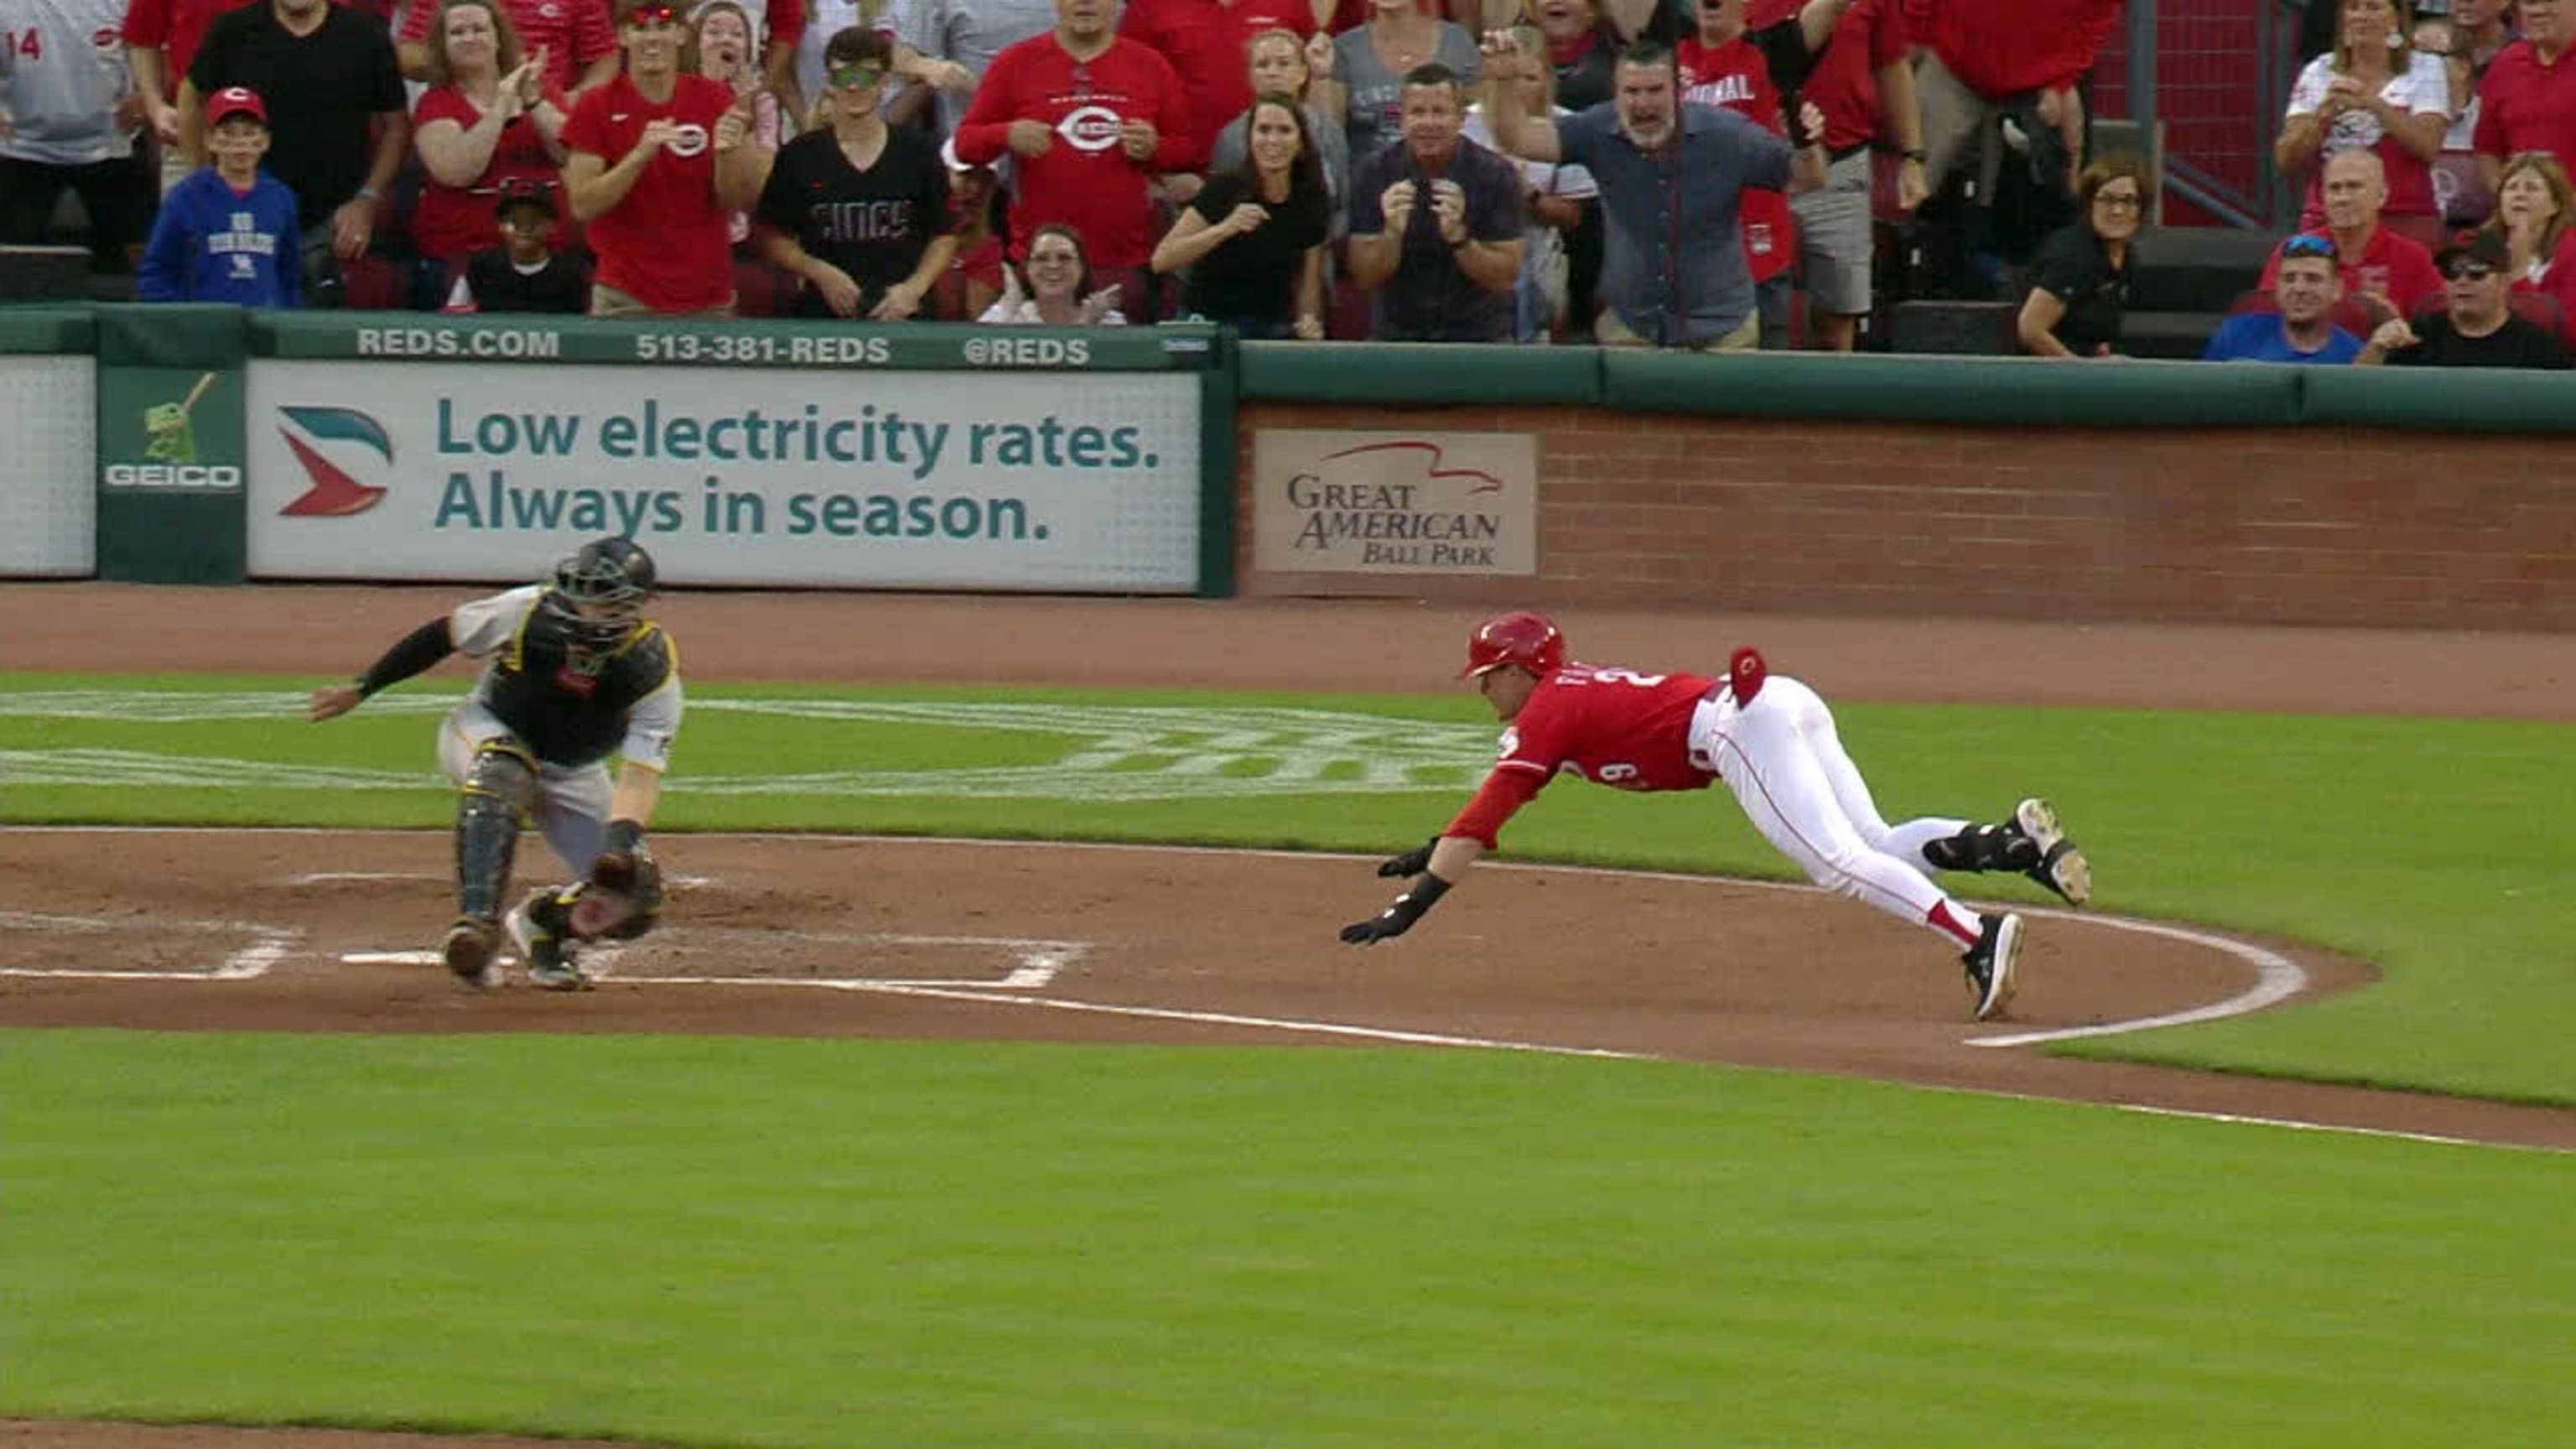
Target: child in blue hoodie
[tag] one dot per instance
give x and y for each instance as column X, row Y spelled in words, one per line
column 227, row 233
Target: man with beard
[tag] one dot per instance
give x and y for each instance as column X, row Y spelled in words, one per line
column 1672, row 179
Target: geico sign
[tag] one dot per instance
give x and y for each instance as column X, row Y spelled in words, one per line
column 209, row 476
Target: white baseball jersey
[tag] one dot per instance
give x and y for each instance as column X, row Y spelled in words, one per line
column 63, row 73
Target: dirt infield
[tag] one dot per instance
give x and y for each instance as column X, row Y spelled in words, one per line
column 835, row 937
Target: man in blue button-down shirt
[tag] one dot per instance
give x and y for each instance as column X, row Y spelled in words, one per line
column 1671, row 177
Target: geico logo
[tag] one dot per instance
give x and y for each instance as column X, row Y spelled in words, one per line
column 172, row 475
column 688, row 141
column 1089, row 128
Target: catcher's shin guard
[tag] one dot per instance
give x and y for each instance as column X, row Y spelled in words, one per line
column 498, row 789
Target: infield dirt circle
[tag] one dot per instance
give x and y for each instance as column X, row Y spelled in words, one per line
column 869, row 937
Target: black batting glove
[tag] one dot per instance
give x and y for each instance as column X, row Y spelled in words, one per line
column 1398, row 918
column 1411, row 863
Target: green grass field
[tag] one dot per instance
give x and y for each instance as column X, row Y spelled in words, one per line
column 797, row 1243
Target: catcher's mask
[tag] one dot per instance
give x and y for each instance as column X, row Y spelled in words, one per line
column 1531, row 641
column 599, row 592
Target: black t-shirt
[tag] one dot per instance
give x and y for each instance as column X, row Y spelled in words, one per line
column 1255, row 275
column 322, row 91
column 497, row 286
column 2520, row 342
column 872, row 224
column 2073, row 268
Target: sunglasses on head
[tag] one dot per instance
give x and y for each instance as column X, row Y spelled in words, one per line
column 2308, row 244
column 652, row 17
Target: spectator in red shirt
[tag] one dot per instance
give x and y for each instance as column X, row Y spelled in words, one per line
column 2527, row 101
column 1088, row 117
column 1864, row 85
column 161, row 39
column 1205, row 41
column 659, row 160
column 1979, row 55
column 1718, row 66
column 727, row 52
column 573, row 38
column 2534, row 208
column 484, row 121
column 2389, row 274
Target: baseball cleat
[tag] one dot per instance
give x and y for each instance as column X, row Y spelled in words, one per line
column 468, row 950
column 549, row 965
column 2062, row 866
column 1993, row 964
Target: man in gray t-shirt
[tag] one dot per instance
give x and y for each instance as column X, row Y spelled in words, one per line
column 971, row 33
column 1671, row 177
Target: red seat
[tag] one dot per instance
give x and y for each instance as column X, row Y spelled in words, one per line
column 372, row 284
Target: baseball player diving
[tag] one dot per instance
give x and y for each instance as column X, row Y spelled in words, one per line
column 1772, row 741
column 572, row 672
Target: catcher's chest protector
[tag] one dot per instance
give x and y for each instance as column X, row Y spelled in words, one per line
column 569, row 714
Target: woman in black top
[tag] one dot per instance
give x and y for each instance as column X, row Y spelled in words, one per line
column 1253, row 238
column 2079, row 282
column 858, row 210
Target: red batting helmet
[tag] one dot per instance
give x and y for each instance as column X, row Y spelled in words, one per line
column 1531, row 641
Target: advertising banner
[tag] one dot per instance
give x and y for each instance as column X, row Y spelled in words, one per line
column 170, row 470
column 1012, row 480
column 1394, row 503
column 49, row 510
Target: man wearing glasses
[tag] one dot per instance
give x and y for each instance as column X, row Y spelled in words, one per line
column 2476, row 327
column 2305, row 289
column 858, row 210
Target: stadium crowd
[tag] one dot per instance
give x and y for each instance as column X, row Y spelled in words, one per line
column 1713, row 174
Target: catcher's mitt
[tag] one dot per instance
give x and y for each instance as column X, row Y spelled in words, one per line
column 625, row 884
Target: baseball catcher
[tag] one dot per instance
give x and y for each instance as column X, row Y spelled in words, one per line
column 572, row 672
column 1772, row 741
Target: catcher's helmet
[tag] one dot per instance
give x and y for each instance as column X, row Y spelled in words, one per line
column 1531, row 641
column 600, row 590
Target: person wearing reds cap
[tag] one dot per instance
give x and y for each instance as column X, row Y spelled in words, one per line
column 228, row 232
column 1772, row 742
column 2476, row 326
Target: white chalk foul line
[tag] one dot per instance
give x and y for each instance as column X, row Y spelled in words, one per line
column 2277, row 979
column 268, row 946
column 1037, row 962
column 329, row 877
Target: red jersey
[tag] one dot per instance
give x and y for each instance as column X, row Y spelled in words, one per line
column 177, row 27
column 453, row 222
column 1086, row 179
column 1844, row 85
column 1735, row 76
column 1206, row 42
column 572, row 33
column 2391, row 266
column 1627, row 730
column 667, row 244
column 2525, row 104
column 2002, row 48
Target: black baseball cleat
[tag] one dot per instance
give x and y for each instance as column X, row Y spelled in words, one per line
column 2062, row 867
column 468, row 950
column 1993, row 964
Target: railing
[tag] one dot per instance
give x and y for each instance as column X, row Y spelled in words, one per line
column 2216, row 74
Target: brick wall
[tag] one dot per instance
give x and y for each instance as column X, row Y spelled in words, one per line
column 2295, row 525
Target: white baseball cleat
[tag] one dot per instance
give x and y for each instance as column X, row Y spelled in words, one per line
column 2062, row 866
